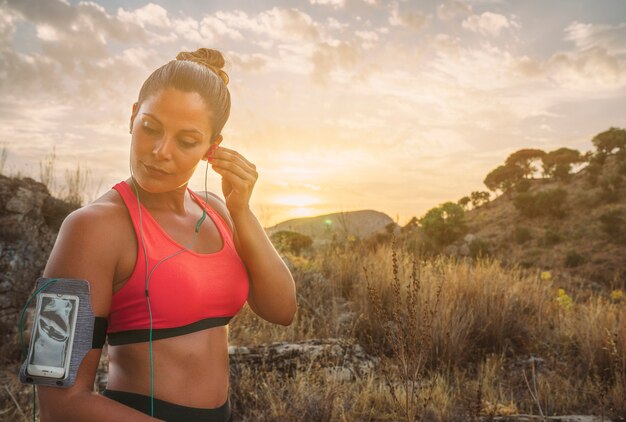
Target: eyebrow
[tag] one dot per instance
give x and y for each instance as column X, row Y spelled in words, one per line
column 182, row 130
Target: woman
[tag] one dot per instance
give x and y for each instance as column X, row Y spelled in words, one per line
column 167, row 278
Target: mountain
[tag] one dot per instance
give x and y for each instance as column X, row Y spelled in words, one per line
column 321, row 228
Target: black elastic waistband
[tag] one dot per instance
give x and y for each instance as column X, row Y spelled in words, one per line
column 139, row 336
column 169, row 411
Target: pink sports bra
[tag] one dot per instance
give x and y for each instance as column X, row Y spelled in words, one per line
column 189, row 292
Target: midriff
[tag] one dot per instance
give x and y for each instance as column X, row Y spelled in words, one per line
column 189, row 370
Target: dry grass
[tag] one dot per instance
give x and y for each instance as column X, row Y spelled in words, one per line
column 456, row 341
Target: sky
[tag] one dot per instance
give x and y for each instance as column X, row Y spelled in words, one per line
column 393, row 106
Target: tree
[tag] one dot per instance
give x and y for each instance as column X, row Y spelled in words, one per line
column 524, row 159
column 409, row 227
column 558, row 163
column 503, row 177
column 443, row 225
column 479, row 198
column 464, row 201
column 608, row 140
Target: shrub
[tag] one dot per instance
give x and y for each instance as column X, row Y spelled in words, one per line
column 613, row 224
column 548, row 202
column 288, row 241
column 610, row 189
column 593, row 170
column 551, row 237
column 522, row 186
column 521, row 235
column 573, row 259
column 480, row 248
column 442, row 225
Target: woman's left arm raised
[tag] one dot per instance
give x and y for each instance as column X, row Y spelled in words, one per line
column 272, row 293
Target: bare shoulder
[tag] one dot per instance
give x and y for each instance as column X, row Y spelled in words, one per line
column 88, row 247
column 215, row 202
column 96, row 221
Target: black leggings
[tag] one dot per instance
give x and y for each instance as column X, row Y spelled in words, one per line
column 169, row 411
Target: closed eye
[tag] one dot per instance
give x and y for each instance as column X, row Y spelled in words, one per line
column 149, row 130
column 187, row 144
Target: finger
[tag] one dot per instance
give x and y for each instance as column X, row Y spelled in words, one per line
column 233, row 155
column 236, row 181
column 225, row 168
column 237, row 167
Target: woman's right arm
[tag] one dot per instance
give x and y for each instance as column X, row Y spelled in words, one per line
column 86, row 249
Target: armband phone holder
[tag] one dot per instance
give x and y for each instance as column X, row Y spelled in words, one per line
column 64, row 330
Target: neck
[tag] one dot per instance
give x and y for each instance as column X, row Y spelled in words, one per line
column 172, row 201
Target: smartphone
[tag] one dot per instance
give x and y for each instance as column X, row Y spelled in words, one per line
column 52, row 336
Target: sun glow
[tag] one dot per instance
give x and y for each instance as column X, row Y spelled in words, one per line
column 296, row 200
column 302, row 212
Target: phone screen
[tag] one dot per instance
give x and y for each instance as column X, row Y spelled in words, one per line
column 53, row 334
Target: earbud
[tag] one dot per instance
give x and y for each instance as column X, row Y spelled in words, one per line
column 212, row 149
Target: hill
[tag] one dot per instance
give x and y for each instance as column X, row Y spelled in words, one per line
column 587, row 237
column 360, row 224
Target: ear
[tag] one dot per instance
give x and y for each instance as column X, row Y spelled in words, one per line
column 214, row 143
column 133, row 115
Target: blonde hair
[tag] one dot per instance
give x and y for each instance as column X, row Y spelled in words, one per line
column 199, row 71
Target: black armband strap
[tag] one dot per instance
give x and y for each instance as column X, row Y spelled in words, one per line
column 100, row 325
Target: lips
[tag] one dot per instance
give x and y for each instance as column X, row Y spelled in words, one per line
column 155, row 171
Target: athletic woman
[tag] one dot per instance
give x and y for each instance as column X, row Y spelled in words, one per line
column 168, row 267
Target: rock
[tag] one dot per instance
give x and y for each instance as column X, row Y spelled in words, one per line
column 337, row 357
column 26, row 239
column 464, row 250
column 22, row 202
column 534, row 418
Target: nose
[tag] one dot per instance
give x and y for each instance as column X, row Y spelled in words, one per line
column 163, row 148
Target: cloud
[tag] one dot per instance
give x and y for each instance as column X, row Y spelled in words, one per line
column 54, row 12
column 590, row 70
column 250, row 62
column 337, row 4
column 148, row 15
column 218, row 28
column 488, row 23
column 414, row 20
column 587, row 35
column 328, row 58
column 285, row 25
column 8, row 21
column 452, row 9
column 369, row 38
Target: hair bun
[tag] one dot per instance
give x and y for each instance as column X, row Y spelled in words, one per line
column 212, row 59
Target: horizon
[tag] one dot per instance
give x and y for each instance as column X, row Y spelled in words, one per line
column 343, row 105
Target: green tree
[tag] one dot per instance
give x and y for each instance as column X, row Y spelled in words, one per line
column 607, row 141
column 443, row 225
column 524, row 159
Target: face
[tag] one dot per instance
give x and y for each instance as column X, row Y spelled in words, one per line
column 171, row 133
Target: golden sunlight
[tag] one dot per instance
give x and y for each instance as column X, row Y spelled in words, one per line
column 302, row 212
column 296, row 200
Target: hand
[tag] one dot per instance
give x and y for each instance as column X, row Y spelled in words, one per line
column 238, row 178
